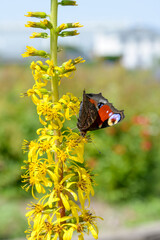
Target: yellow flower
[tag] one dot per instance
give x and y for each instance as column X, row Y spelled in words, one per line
column 31, row 147
column 36, row 66
column 51, row 69
column 36, row 212
column 74, row 146
column 62, row 155
column 36, row 175
column 68, row 67
column 50, row 112
column 60, row 190
column 84, row 185
column 90, row 222
column 71, row 105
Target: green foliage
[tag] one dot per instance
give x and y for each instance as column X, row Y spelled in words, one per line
column 128, row 166
column 17, row 122
column 129, row 163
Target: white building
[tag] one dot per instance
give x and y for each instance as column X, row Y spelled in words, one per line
column 136, row 47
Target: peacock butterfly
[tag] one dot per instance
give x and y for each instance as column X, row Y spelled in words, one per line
column 96, row 112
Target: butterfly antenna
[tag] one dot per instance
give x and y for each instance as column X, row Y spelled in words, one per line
column 96, row 148
column 74, row 128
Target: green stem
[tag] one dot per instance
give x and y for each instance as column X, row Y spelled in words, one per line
column 53, row 47
column 54, row 89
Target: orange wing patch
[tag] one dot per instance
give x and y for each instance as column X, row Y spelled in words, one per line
column 105, row 112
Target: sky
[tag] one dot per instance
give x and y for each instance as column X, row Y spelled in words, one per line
column 145, row 13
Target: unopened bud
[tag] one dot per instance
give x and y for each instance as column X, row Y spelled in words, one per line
column 68, row 3
column 39, row 35
column 31, row 51
column 68, row 25
column 36, row 14
column 42, row 24
column 68, row 33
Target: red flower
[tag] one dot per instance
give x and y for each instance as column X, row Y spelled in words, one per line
column 145, row 133
column 140, row 120
column 92, row 162
column 119, row 149
column 146, row 145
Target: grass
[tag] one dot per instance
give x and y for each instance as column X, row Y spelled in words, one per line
column 145, row 211
column 12, row 220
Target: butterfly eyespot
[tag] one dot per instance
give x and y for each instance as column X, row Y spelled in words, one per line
column 114, row 119
column 100, row 104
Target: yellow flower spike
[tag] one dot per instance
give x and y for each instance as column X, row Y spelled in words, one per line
column 52, row 166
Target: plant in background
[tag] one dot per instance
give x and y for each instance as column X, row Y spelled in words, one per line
column 55, row 170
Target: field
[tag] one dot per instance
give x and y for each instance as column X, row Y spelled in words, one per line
column 125, row 158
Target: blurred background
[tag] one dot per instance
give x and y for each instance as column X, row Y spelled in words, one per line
column 121, row 44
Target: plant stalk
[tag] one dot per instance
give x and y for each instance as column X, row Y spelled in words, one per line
column 55, row 90
column 53, row 48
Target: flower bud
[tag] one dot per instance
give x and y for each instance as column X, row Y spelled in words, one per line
column 31, row 51
column 47, row 23
column 68, row 33
column 36, row 25
column 78, row 60
column 36, row 14
column 68, row 3
column 42, row 24
column 39, row 35
column 68, row 25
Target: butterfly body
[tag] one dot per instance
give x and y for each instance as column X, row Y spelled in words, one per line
column 96, row 112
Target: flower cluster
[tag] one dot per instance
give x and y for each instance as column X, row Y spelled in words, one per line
column 55, row 171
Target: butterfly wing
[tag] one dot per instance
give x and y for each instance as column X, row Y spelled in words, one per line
column 87, row 115
column 96, row 112
column 109, row 115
